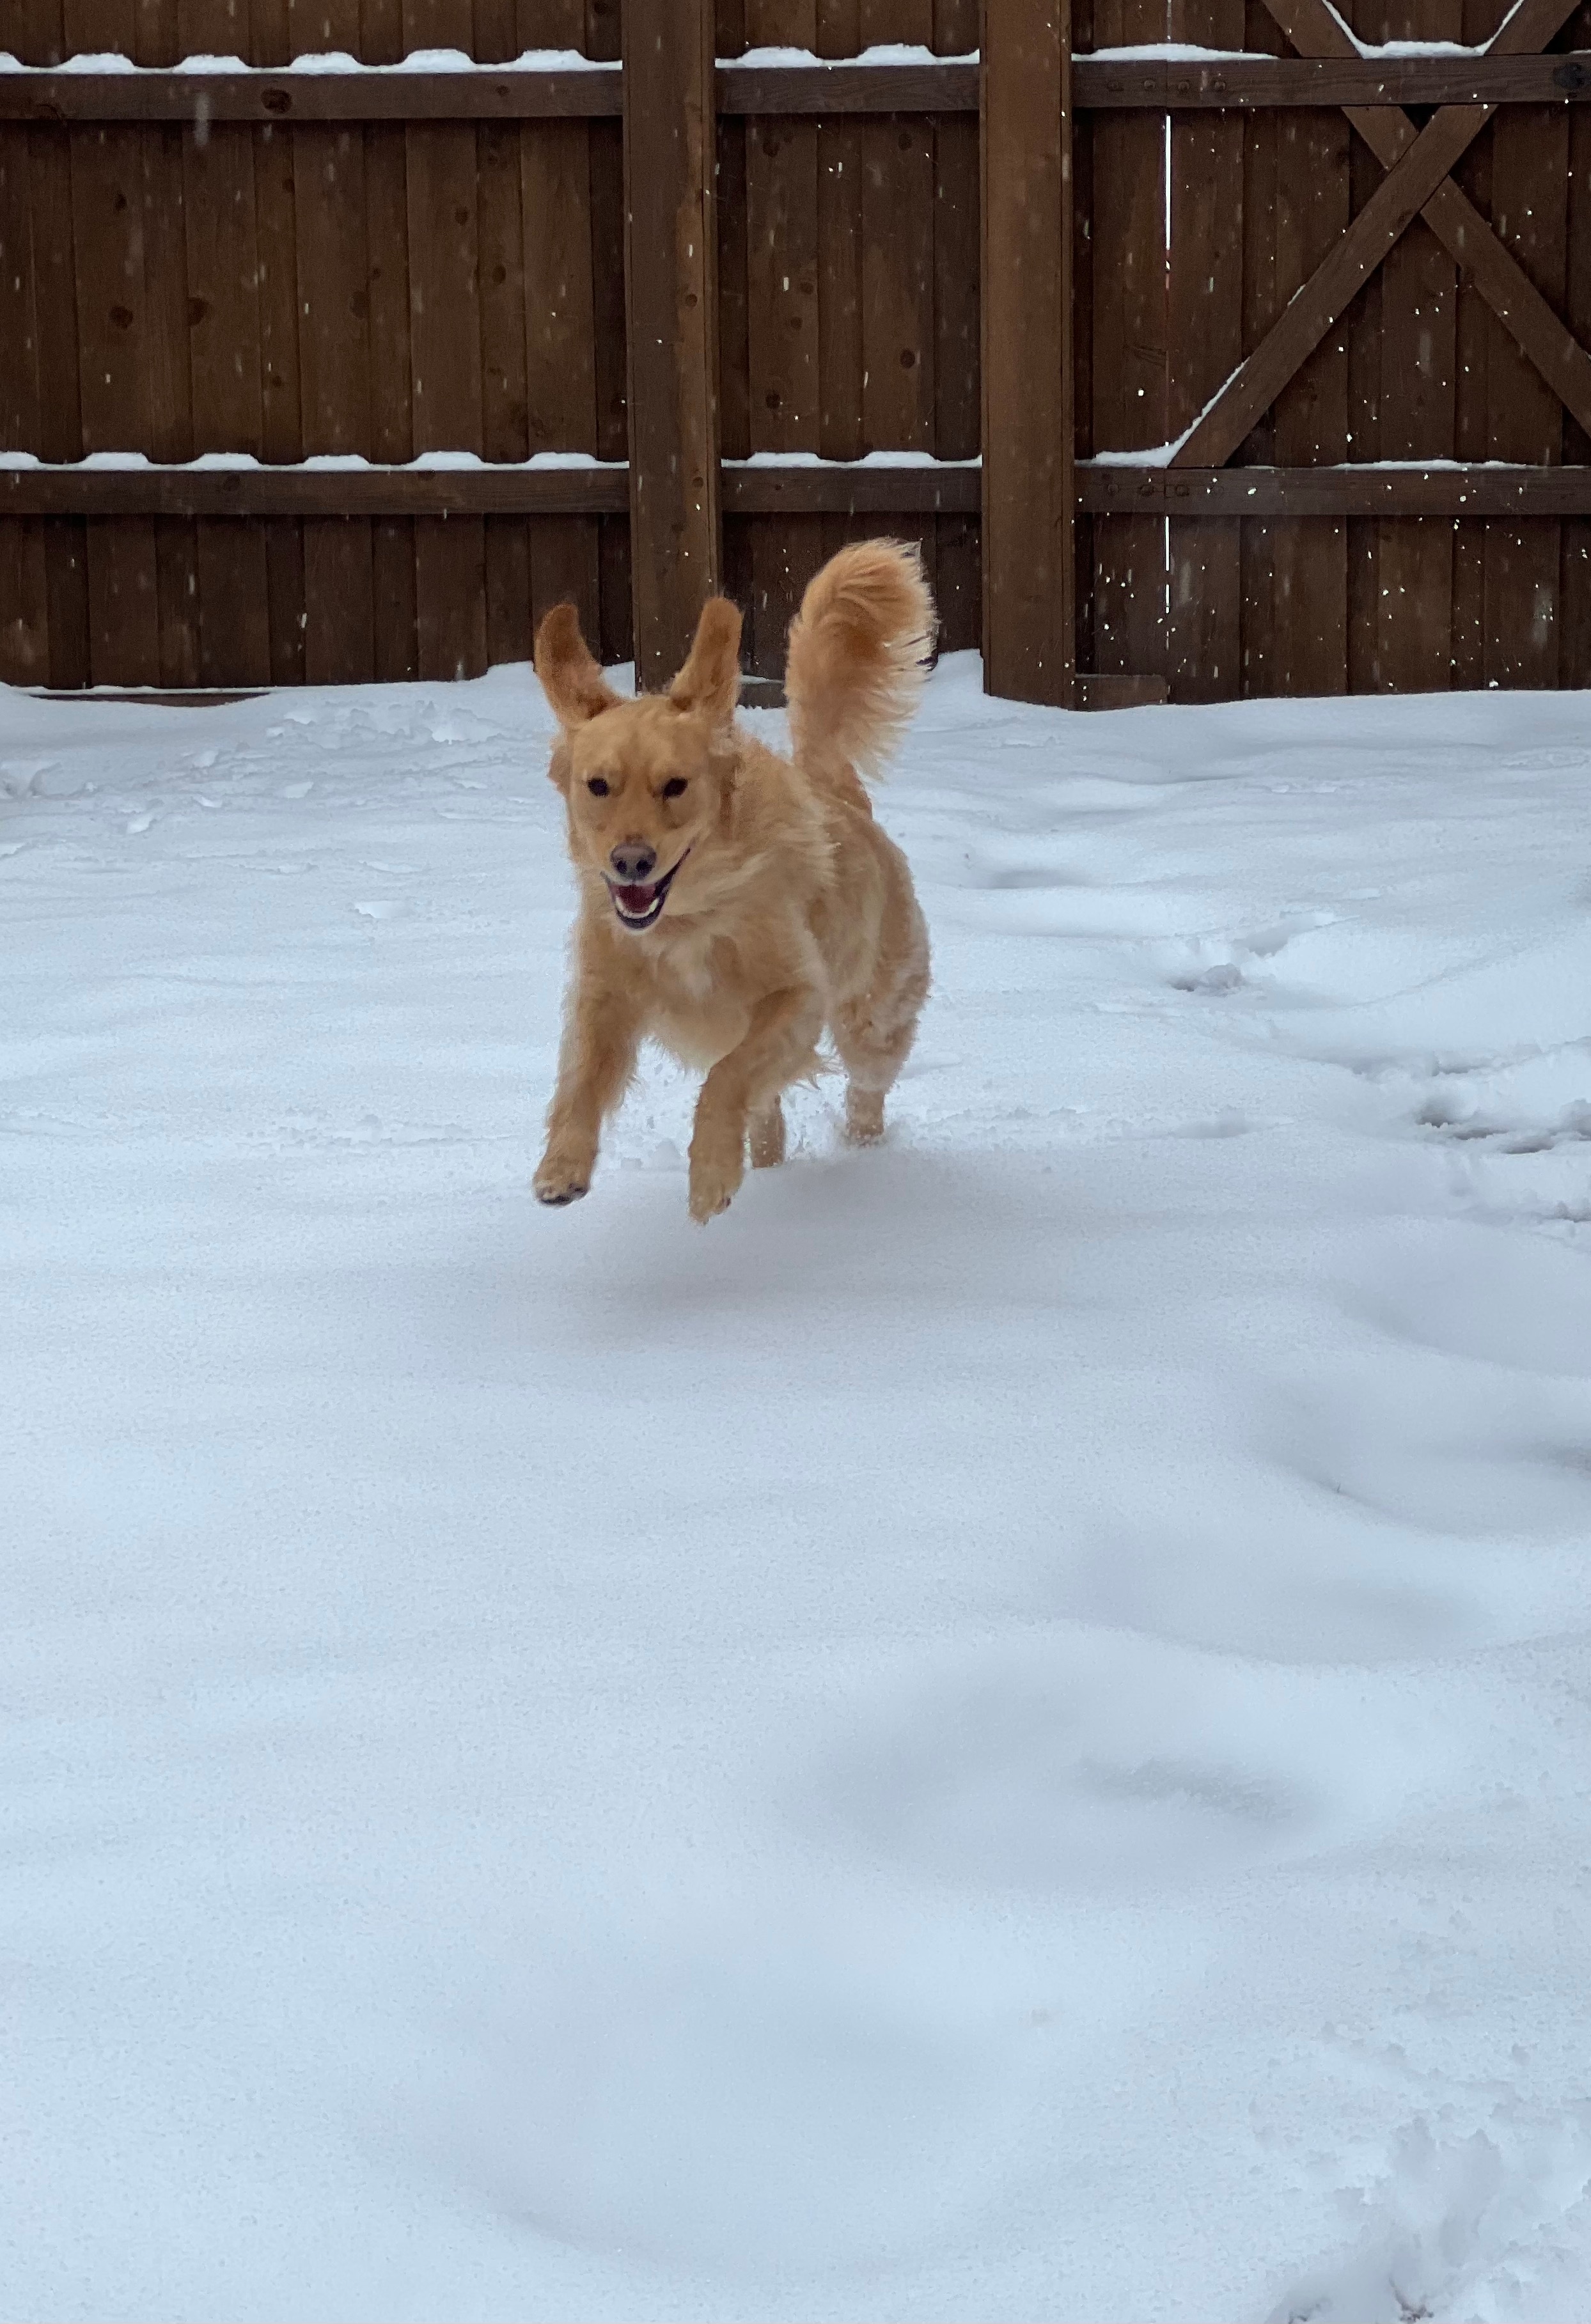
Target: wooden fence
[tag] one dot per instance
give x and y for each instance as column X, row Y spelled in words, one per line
column 460, row 342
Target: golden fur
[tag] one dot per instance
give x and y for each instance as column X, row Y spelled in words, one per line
column 753, row 900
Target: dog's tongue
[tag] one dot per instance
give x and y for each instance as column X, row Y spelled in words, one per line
column 636, row 900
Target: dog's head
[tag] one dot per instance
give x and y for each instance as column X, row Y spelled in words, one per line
column 649, row 783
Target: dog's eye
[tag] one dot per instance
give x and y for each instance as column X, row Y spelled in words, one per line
column 596, row 787
column 675, row 787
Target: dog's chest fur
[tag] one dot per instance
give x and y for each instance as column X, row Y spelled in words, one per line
column 696, row 1013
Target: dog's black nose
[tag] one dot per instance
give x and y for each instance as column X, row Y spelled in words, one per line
column 633, row 864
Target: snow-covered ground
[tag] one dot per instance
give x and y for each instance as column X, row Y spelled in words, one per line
column 1003, row 1734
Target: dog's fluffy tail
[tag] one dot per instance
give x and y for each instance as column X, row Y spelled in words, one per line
column 858, row 655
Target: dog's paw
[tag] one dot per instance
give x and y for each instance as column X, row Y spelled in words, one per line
column 561, row 1181
column 713, row 1186
column 864, row 1116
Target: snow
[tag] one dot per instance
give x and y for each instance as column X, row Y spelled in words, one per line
column 1004, row 1733
column 881, row 53
column 326, row 61
column 1163, row 52
column 1190, row 52
column 918, row 462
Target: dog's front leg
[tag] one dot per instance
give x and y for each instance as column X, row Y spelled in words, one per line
column 778, row 1045
column 600, row 1040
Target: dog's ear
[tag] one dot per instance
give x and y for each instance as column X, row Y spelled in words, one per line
column 571, row 681
column 709, row 683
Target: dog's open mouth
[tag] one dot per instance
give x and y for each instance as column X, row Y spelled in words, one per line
column 641, row 903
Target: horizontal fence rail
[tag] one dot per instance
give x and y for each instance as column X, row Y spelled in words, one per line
column 771, row 488
column 1336, row 493
column 541, row 93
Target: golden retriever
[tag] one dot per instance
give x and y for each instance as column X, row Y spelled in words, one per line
column 735, row 903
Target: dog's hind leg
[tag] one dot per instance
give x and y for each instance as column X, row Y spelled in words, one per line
column 873, row 1034
column 767, row 1137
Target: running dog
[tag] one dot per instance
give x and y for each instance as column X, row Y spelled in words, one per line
column 734, row 904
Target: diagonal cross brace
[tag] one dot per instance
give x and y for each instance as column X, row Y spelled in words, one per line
column 1418, row 162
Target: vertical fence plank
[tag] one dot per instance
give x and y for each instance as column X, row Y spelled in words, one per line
column 669, row 148
column 495, row 42
column 573, row 178
column 604, row 38
column 1361, row 325
column 783, row 396
column 392, row 420
column 269, row 40
column 281, row 431
column 61, row 412
column 1419, row 355
column 1311, row 418
column 109, row 221
column 1029, row 484
column 610, row 325
column 840, row 432
column 1129, row 350
column 1575, row 570
column 1529, row 188
column 99, row 27
column 33, row 31
column 898, row 335
column 223, row 262
column 842, row 426
column 445, row 355
column 895, row 20
column 24, row 628
column 505, row 414
column 25, row 631
column 381, row 31
column 1414, row 555
column 1205, row 347
column 561, row 334
column 334, row 366
column 899, row 338
column 442, row 24
column 783, row 391
column 1473, row 343
column 171, row 399
column 108, row 212
column 164, row 29
column 957, row 356
column 332, row 270
column 19, row 324
column 444, row 321
column 191, row 28
column 66, row 581
column 1260, row 308
column 61, row 427
column 780, row 23
column 735, row 422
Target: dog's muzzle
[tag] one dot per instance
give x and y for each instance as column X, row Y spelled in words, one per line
column 639, row 904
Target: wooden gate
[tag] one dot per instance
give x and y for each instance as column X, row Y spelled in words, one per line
column 1270, row 335
column 1352, row 295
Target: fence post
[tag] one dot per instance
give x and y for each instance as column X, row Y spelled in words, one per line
column 1029, row 489
column 671, row 302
